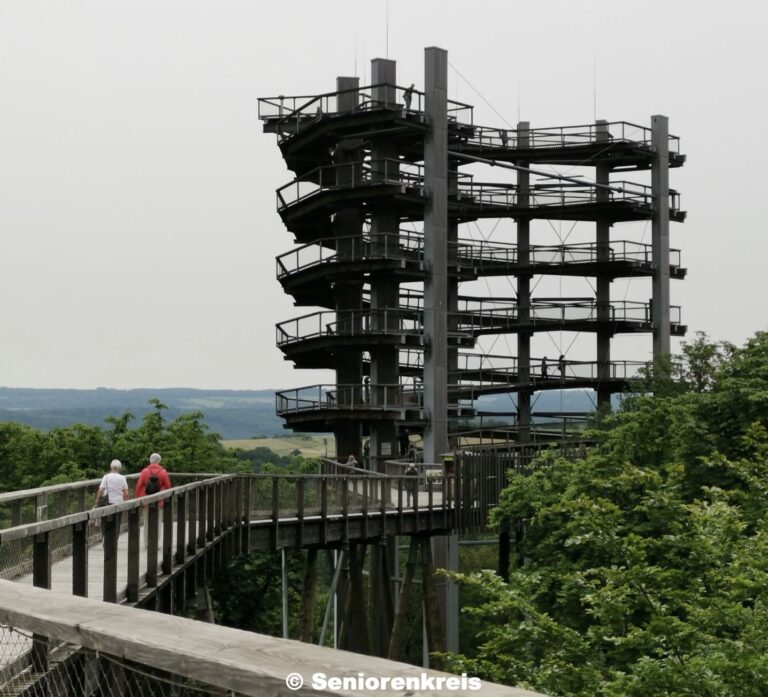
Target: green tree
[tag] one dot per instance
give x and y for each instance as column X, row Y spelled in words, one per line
column 642, row 568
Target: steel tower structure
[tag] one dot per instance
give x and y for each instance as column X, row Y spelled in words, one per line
column 366, row 160
column 370, row 164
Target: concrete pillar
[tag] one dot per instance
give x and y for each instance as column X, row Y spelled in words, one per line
column 660, row 235
column 523, row 288
column 603, row 283
column 348, row 292
column 385, row 289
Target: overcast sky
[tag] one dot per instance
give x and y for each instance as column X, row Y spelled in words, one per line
column 137, row 211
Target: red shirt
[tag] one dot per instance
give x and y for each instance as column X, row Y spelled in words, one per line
column 163, row 479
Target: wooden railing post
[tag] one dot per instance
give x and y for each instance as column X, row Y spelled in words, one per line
column 168, row 536
column 192, row 520
column 300, row 512
column 15, row 513
column 237, row 515
column 41, row 561
column 80, row 559
column 245, row 539
column 430, row 518
column 134, row 537
column 41, row 507
column 324, row 510
column 181, row 527
column 202, row 496
column 41, row 578
column 214, row 508
column 63, row 503
column 275, row 511
column 383, row 507
column 153, row 522
column 111, row 529
column 345, row 508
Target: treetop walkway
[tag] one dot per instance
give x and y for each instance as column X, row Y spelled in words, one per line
column 49, row 539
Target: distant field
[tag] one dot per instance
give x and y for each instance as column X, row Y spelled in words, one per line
column 313, row 447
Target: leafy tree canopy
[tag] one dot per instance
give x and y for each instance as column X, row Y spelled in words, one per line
column 31, row 458
column 642, row 569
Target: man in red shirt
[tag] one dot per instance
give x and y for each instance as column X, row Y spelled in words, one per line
column 152, row 479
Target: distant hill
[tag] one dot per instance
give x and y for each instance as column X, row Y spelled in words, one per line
column 234, row 414
column 231, row 413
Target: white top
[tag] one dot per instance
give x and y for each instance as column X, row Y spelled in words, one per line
column 114, row 485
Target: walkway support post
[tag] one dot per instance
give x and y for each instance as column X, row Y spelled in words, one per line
column 284, row 577
column 398, row 630
column 436, row 308
column 308, row 595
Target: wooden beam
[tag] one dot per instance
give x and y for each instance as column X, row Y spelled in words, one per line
column 244, row 662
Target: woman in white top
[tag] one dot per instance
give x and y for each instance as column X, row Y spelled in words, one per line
column 113, row 484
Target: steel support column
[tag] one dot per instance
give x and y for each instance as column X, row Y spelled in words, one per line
column 523, row 288
column 660, row 236
column 436, row 309
column 603, row 283
column 385, row 289
column 348, row 292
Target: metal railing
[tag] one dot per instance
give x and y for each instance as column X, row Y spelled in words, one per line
column 474, row 315
column 291, row 113
column 366, row 396
column 477, row 254
column 349, row 323
column 369, row 247
column 481, row 254
column 496, row 195
column 568, row 136
column 485, row 375
column 352, row 175
column 485, row 314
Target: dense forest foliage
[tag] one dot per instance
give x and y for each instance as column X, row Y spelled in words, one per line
column 642, row 569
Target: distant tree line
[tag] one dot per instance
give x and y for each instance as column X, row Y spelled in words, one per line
column 30, row 457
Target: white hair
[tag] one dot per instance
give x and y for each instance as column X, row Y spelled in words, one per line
column 116, row 465
column 155, row 458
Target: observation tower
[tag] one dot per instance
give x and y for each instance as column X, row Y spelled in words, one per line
column 378, row 206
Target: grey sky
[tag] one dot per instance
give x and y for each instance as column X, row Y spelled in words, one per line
column 137, row 211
